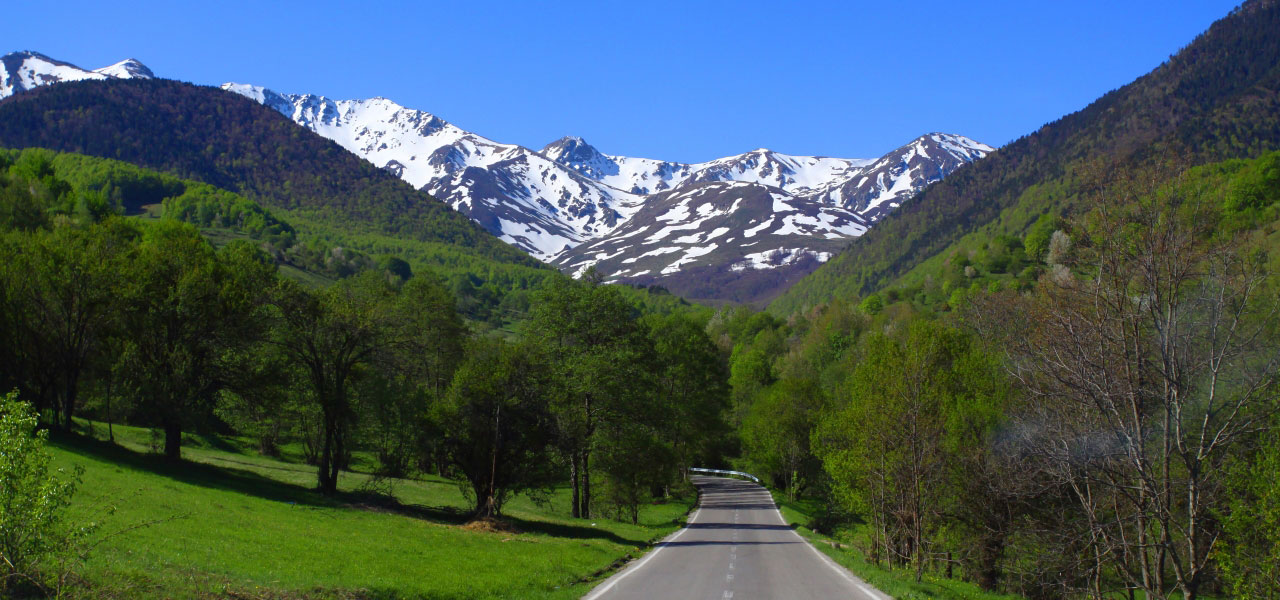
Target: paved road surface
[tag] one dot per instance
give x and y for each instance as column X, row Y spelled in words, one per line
column 736, row 546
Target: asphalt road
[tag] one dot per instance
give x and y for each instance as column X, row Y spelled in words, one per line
column 737, row 546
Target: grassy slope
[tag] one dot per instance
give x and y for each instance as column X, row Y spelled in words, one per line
column 899, row 584
column 249, row 525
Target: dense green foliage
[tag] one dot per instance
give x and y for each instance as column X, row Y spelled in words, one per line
column 1214, row 100
column 497, row 425
column 146, row 322
column 1089, row 412
column 616, row 391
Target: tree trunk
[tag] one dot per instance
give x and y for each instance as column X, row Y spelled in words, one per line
column 573, row 475
column 340, row 458
column 586, row 484
column 68, row 405
column 486, row 504
column 111, row 434
column 326, row 457
column 989, row 563
column 172, row 438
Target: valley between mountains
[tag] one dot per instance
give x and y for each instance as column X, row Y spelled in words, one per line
column 278, row 346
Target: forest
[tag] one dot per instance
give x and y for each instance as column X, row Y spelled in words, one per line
column 1100, row 423
column 144, row 322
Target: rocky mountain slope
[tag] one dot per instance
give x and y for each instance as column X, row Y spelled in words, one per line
column 725, row 231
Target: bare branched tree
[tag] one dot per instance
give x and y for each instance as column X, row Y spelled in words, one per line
column 1146, row 363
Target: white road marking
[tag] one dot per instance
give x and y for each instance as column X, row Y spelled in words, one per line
column 596, row 593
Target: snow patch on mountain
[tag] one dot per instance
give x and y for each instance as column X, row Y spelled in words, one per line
column 576, row 207
column 518, row 194
column 22, row 71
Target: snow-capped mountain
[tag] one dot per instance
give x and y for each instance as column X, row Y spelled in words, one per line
column 740, row 224
column 709, row 236
column 558, row 202
column 647, row 176
column 532, row 202
column 21, row 71
column 877, row 187
column 635, row 219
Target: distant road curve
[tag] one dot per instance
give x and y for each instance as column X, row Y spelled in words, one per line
column 737, row 546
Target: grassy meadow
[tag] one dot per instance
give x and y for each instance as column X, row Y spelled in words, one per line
column 227, row 522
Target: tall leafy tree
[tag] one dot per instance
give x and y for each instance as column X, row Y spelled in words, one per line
column 332, row 335
column 776, row 432
column 691, row 384
column 64, row 293
column 497, row 425
column 600, row 358
column 190, row 311
column 886, row 444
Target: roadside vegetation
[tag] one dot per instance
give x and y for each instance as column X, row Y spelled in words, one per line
column 1091, row 427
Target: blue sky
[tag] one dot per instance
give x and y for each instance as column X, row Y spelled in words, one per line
column 686, row 81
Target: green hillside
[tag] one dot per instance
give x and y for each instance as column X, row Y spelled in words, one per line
column 233, row 143
column 1216, row 99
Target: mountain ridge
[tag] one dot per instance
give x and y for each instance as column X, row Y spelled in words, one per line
column 568, row 199
column 205, row 134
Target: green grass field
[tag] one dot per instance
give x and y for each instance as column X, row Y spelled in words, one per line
column 900, row 584
column 239, row 525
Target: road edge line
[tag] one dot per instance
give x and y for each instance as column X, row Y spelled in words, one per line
column 632, row 568
column 827, row 560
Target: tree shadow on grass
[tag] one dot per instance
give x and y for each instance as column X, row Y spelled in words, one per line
column 241, row 481
column 579, row 532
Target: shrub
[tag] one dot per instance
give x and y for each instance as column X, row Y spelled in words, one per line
column 35, row 543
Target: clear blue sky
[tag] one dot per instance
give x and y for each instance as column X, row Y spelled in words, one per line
column 686, row 81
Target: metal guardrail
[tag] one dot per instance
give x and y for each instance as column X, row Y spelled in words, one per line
column 719, row 472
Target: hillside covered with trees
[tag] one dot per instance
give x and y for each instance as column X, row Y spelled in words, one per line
column 145, row 323
column 235, row 144
column 1097, row 425
column 1216, row 99
column 237, row 361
